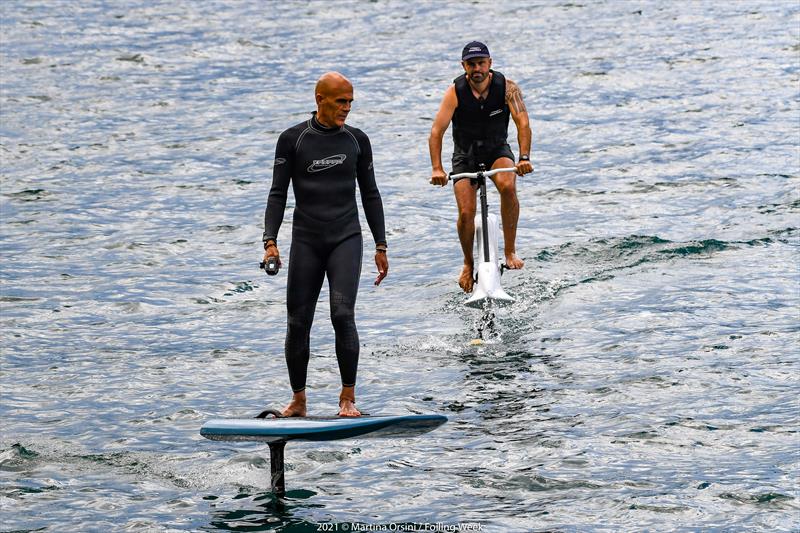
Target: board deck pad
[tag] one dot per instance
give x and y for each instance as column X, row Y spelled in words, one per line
column 319, row 428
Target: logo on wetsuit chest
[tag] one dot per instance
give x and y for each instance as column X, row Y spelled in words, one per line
column 331, row 161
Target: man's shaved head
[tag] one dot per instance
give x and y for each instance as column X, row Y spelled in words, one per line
column 331, row 81
column 334, row 94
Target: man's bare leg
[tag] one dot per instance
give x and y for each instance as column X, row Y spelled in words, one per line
column 347, row 402
column 296, row 407
column 506, row 183
column 465, row 199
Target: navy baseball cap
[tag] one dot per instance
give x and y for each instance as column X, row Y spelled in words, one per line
column 474, row 49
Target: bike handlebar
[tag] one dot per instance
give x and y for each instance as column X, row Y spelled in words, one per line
column 486, row 173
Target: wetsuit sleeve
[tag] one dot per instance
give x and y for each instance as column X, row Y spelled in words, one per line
column 281, row 176
column 370, row 196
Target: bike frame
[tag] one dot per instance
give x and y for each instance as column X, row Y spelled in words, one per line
column 488, row 277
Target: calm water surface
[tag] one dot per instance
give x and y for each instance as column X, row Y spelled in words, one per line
column 644, row 379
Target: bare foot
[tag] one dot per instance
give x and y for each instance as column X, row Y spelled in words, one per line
column 348, row 408
column 513, row 262
column 347, row 402
column 466, row 280
column 296, row 407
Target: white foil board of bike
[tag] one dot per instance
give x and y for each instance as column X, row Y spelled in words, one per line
column 488, row 287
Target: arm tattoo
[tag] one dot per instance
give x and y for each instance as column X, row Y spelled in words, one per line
column 514, row 98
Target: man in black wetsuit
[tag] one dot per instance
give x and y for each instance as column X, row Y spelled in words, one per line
column 479, row 103
column 324, row 158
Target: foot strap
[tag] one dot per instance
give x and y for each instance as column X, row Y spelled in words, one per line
column 273, row 412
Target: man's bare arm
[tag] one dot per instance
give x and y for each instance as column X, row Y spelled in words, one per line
column 520, row 115
column 440, row 125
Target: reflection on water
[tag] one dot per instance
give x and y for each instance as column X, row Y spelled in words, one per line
column 262, row 512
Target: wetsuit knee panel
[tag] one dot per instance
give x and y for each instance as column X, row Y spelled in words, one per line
column 343, row 317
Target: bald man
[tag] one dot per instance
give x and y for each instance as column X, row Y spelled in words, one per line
column 324, row 159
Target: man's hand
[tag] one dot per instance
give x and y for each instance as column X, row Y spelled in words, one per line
column 272, row 251
column 439, row 177
column 382, row 262
column 524, row 167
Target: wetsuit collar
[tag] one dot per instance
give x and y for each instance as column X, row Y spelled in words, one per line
column 316, row 125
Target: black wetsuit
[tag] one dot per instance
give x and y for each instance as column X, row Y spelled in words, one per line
column 480, row 127
column 323, row 165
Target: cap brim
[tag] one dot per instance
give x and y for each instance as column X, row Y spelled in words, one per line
column 473, row 56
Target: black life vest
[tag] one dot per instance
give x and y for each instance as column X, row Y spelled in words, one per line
column 480, row 125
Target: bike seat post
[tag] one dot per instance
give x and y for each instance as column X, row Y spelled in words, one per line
column 481, row 170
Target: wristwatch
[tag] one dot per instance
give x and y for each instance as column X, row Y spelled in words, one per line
column 524, row 158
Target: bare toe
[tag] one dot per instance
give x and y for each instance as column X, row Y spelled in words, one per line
column 513, row 262
column 348, row 408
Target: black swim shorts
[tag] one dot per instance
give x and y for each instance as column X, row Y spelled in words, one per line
column 469, row 161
